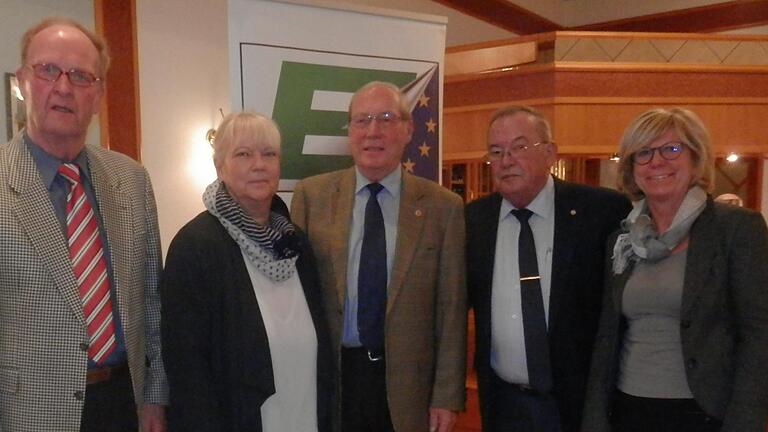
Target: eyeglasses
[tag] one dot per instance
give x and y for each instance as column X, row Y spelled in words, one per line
column 383, row 119
column 669, row 151
column 51, row 72
column 517, row 149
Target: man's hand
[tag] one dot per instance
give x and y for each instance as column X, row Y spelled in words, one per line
column 441, row 420
column 152, row 418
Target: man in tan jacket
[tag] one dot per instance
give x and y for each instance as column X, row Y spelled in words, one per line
column 390, row 250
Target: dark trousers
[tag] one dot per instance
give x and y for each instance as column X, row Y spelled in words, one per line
column 638, row 414
column 363, row 393
column 515, row 408
column 110, row 406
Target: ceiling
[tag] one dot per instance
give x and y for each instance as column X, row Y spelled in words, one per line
column 471, row 21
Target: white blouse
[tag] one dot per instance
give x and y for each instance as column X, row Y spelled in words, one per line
column 293, row 347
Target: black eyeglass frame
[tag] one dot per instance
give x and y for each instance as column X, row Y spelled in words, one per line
column 669, row 151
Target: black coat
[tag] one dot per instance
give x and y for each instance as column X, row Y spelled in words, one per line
column 584, row 218
column 215, row 345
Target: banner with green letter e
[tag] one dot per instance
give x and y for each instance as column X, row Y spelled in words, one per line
column 301, row 64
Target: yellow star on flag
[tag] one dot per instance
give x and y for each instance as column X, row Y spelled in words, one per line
column 408, row 165
column 430, row 125
column 424, row 149
column 424, row 100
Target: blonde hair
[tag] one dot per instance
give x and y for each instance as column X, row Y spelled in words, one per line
column 98, row 42
column 244, row 125
column 649, row 126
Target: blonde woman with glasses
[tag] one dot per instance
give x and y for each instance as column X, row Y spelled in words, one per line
column 683, row 338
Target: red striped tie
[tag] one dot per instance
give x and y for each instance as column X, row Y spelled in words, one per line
column 90, row 267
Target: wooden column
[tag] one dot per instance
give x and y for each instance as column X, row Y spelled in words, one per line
column 120, row 114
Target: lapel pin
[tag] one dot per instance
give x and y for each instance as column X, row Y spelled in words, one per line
column 573, row 212
column 417, row 213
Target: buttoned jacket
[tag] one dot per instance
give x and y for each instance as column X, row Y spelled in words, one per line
column 425, row 322
column 723, row 323
column 43, row 341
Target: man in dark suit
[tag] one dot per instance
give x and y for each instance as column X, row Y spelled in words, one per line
column 535, row 254
column 79, row 256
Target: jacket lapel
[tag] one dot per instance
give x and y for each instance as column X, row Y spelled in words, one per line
column 487, row 230
column 563, row 246
column 114, row 206
column 341, row 201
column 37, row 218
column 701, row 254
column 410, row 222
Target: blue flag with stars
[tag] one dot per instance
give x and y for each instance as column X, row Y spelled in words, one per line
column 421, row 156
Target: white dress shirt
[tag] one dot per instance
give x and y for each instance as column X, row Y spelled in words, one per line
column 508, row 358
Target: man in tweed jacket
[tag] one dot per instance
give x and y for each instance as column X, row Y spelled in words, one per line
column 416, row 382
column 49, row 378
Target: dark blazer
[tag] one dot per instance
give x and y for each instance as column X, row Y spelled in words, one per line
column 723, row 323
column 584, row 217
column 214, row 340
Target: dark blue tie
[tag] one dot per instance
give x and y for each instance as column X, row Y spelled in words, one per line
column 372, row 276
column 534, row 320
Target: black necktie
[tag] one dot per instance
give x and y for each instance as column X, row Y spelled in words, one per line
column 534, row 321
column 372, row 276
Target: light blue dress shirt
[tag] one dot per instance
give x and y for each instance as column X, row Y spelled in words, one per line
column 508, row 358
column 389, row 200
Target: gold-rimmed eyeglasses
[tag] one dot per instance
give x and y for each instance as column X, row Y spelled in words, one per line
column 516, row 149
column 383, row 119
column 50, row 72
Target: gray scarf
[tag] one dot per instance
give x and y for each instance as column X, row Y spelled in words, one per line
column 642, row 242
column 273, row 249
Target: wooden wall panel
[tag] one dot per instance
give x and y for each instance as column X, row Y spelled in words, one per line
column 597, row 128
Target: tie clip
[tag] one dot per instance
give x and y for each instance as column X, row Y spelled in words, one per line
column 528, row 278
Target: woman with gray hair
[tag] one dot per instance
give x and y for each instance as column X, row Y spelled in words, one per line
column 683, row 339
column 244, row 342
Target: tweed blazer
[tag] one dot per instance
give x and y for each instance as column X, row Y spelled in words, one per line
column 425, row 323
column 723, row 323
column 43, row 356
column 584, row 218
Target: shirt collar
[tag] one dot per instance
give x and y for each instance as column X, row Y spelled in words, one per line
column 48, row 165
column 541, row 205
column 392, row 182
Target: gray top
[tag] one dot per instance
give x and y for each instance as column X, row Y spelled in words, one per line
column 651, row 363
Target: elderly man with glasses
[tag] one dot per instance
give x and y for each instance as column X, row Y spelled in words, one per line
column 535, row 253
column 390, row 250
column 80, row 255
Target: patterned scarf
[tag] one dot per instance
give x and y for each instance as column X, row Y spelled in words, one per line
column 273, row 249
column 642, row 242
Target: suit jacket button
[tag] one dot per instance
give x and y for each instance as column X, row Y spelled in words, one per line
column 79, row 395
column 83, row 346
column 691, row 363
column 685, row 324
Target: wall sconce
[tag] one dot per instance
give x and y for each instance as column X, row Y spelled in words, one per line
column 210, row 136
column 614, row 157
column 732, row 157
